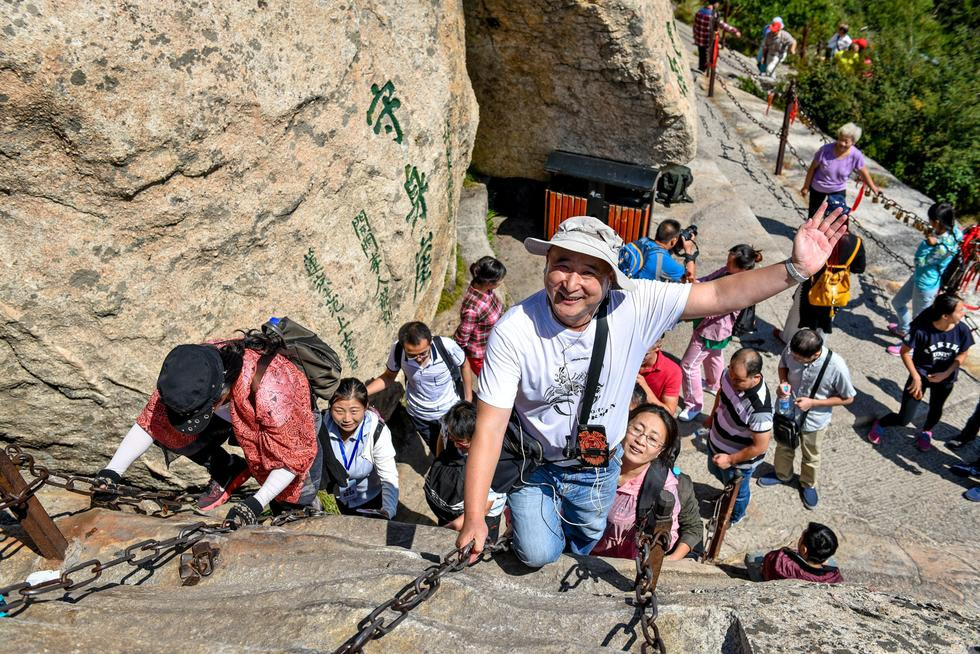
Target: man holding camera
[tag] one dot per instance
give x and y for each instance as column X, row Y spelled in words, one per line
column 650, row 259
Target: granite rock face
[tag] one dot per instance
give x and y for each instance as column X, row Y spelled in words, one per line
column 609, row 79
column 305, row 586
column 171, row 172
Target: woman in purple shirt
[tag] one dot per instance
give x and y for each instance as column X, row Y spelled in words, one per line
column 832, row 165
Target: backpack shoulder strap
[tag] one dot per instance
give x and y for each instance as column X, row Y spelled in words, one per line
column 454, row 371
column 377, row 430
column 260, row 368
column 399, row 353
column 857, row 246
column 335, row 475
column 816, row 383
column 653, row 482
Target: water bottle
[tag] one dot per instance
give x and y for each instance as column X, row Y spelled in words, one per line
column 784, row 403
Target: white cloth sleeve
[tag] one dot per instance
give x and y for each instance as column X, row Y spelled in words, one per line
column 383, row 454
column 136, row 442
column 659, row 307
column 454, row 350
column 500, row 378
column 274, row 484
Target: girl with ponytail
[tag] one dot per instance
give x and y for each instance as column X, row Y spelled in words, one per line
column 480, row 310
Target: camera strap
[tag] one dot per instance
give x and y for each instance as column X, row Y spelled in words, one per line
column 816, row 385
column 595, row 364
column 588, row 443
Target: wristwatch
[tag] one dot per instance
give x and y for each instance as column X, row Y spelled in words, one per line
column 794, row 273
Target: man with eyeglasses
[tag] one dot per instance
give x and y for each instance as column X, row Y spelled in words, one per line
column 800, row 366
column 537, row 363
column 437, row 376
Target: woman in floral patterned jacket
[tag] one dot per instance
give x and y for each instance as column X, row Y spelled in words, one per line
column 241, row 391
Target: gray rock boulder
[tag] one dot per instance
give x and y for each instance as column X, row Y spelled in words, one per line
column 610, row 79
column 305, row 586
column 174, row 171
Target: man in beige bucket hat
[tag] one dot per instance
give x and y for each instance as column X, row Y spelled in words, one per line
column 536, row 370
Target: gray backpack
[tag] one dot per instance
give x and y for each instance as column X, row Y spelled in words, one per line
column 309, row 352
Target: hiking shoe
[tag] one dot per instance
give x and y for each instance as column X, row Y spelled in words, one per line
column 894, row 350
column 877, row 431
column 957, row 442
column 893, row 328
column 217, row 493
column 973, row 494
column 769, row 479
column 810, row 498
column 965, row 470
column 923, row 442
column 690, row 414
column 733, row 521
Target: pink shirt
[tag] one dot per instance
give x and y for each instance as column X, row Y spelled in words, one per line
column 619, row 539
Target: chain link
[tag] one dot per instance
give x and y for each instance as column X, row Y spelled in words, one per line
column 143, row 554
column 375, row 625
column 169, row 502
column 650, row 550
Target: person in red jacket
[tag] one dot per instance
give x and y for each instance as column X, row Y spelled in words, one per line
column 808, row 562
column 241, row 391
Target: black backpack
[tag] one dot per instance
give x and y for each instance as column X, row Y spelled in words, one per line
column 454, row 370
column 444, row 484
column 672, row 185
column 745, row 322
column 310, row 353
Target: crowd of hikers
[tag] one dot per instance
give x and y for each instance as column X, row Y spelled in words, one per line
column 560, row 413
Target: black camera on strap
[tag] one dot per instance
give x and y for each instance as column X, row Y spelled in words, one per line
column 589, row 444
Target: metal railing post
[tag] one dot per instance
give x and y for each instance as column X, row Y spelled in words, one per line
column 33, row 518
column 784, row 133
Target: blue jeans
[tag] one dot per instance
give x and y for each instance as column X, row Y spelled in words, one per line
column 911, row 293
column 726, row 476
column 584, row 497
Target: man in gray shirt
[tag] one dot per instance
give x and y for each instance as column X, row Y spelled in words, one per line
column 799, row 367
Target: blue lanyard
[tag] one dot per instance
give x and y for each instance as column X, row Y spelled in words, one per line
column 353, row 454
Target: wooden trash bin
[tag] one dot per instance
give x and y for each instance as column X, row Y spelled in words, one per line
column 619, row 194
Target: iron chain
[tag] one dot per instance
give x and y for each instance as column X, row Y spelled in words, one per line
column 375, row 626
column 169, row 502
column 645, row 592
column 20, row 596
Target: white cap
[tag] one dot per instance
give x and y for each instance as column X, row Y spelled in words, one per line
column 586, row 235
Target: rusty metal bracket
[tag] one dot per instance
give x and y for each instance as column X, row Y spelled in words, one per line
column 199, row 563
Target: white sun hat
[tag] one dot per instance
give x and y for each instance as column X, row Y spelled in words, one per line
column 589, row 236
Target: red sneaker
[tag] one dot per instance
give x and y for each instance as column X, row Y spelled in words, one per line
column 217, row 494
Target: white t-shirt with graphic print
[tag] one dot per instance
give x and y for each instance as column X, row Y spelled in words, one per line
column 538, row 366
